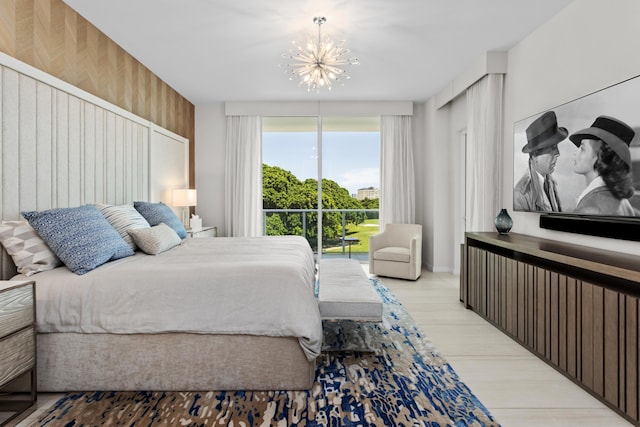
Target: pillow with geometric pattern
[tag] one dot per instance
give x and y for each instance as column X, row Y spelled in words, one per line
column 29, row 252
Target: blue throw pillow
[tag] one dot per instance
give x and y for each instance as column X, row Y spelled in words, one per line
column 155, row 213
column 81, row 237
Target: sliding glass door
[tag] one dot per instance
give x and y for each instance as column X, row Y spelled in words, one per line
column 350, row 184
column 289, row 177
column 340, row 153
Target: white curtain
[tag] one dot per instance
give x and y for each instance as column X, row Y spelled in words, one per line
column 484, row 152
column 397, row 186
column 243, row 176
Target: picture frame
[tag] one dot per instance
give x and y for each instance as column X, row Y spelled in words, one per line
column 619, row 101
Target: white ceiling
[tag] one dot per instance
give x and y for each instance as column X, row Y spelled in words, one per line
column 223, row 50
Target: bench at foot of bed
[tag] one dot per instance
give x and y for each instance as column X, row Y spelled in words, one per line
column 347, row 299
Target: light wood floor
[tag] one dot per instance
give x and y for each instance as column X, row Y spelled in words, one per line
column 518, row 388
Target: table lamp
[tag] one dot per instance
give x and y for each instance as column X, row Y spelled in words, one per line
column 184, row 198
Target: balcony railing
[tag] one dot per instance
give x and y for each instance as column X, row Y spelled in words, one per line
column 308, row 221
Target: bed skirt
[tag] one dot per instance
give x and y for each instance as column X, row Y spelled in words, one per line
column 170, row 361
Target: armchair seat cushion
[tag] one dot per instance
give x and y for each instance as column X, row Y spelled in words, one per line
column 392, row 253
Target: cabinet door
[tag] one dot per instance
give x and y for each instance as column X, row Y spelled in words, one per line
column 530, row 306
column 16, row 355
column 553, row 317
column 520, row 276
column 496, row 288
column 573, row 328
column 16, row 309
column 540, row 310
column 612, row 346
column 477, row 278
column 587, row 318
column 628, row 386
column 511, row 295
column 463, row 273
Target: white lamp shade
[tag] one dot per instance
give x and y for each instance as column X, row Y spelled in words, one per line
column 185, row 197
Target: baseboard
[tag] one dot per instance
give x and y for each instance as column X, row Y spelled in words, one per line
column 438, row 269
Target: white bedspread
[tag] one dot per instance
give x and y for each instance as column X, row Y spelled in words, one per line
column 256, row 286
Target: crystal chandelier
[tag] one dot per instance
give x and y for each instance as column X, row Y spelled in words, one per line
column 319, row 64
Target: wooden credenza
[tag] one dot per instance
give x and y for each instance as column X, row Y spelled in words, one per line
column 573, row 306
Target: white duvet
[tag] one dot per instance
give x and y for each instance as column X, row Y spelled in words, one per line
column 255, row 286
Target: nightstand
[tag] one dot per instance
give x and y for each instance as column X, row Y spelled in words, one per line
column 205, row 232
column 17, row 350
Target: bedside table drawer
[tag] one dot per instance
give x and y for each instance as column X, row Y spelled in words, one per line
column 16, row 354
column 204, row 232
column 16, row 309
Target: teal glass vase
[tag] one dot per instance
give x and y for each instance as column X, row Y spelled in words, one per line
column 503, row 222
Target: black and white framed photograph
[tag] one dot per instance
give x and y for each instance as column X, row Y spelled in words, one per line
column 582, row 157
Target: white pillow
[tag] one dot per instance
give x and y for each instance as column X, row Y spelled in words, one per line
column 30, row 253
column 156, row 239
column 123, row 218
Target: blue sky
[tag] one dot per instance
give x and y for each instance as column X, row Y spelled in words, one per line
column 352, row 159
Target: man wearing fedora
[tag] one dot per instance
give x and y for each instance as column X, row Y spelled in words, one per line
column 604, row 158
column 537, row 191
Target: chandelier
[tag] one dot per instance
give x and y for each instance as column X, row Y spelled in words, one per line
column 320, row 63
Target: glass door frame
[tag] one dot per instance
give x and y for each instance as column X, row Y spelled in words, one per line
column 320, row 210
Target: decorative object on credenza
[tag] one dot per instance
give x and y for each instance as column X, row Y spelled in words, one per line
column 600, row 198
column 503, row 222
column 320, row 63
column 184, row 198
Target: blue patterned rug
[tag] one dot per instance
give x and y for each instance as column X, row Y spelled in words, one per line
column 404, row 382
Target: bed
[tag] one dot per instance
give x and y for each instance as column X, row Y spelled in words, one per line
column 63, row 147
column 209, row 314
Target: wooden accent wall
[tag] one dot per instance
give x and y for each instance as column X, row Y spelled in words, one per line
column 582, row 321
column 52, row 37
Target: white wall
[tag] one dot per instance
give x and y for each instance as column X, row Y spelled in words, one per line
column 439, row 200
column 458, row 125
column 589, row 45
column 209, row 163
column 586, row 47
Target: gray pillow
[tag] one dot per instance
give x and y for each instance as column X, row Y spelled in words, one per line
column 123, row 218
column 30, row 253
column 156, row 239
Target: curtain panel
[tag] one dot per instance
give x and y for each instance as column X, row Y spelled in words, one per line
column 243, row 176
column 397, row 180
column 485, row 152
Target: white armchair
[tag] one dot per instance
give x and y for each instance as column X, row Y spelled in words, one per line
column 397, row 251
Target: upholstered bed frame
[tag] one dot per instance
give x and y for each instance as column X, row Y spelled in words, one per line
column 63, row 147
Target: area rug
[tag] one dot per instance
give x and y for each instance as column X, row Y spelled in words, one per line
column 404, row 381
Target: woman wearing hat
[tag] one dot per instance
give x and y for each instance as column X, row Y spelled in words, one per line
column 603, row 157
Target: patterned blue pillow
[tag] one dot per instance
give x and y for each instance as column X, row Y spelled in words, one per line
column 81, row 237
column 155, row 213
